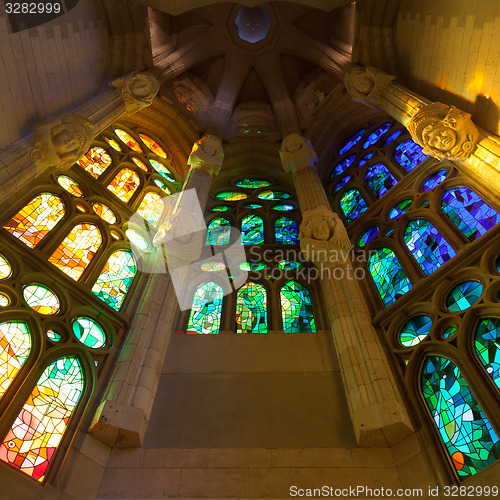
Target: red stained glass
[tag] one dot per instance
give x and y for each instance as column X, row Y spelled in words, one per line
column 125, row 184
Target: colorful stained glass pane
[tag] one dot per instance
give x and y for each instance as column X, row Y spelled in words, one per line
column 252, row 266
column 434, row 179
column 4, row 300
column 207, row 308
column 392, row 138
column 379, row 179
column 251, row 308
column 162, row 170
column 125, row 184
column 368, row 236
column 389, row 277
column 460, row 421
column 231, row 196
column 341, row 183
column 128, row 140
column 70, row 185
column 376, row 135
column 113, row 144
column 5, row 268
column 89, row 332
column 104, row 212
column 219, row 232
column 37, row 431
column 400, row 209
column 352, row 204
column 464, row 295
column 342, row 165
column 96, row 161
column 151, row 208
column 153, row 146
column 76, row 251
column 283, row 207
column 286, row 231
column 274, row 195
column 252, row 183
column 34, row 221
column 296, row 308
column 287, row 265
column 469, row 212
column 41, row 299
column 162, row 186
column 15, row 348
column 212, row 266
column 427, row 245
column 252, row 230
column 140, row 164
column 415, row 330
column 352, row 141
column 251, row 206
column 115, row 279
column 409, row 154
column 498, row 265
column 449, row 332
column 364, row 159
column 221, row 208
column 487, row 344
column 54, row 336
column 137, row 239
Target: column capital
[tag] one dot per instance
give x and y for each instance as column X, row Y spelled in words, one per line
column 366, row 84
column 137, row 90
column 207, row 154
column 297, row 153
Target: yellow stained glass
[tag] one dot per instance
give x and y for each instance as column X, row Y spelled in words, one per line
column 151, row 208
column 41, row 299
column 71, row 186
column 153, row 145
column 104, row 212
column 113, row 144
column 128, row 140
column 140, row 164
column 125, row 184
column 96, row 161
column 4, row 300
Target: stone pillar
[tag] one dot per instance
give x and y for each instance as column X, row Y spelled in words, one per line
column 122, row 418
column 61, row 141
column 444, row 132
column 378, row 414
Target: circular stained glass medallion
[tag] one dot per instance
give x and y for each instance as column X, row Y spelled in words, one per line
column 211, row 266
column 449, row 332
column 289, row 265
column 153, row 146
column 400, row 209
column 104, row 212
column 89, row 332
column 4, row 300
column 71, row 186
column 162, row 170
column 252, row 266
column 464, row 295
column 41, row 299
column 5, row 268
column 252, row 183
column 274, row 195
column 231, row 196
column 137, row 239
column 127, row 139
column 415, row 330
column 367, row 236
column 140, row 163
column 53, row 335
column 283, row 207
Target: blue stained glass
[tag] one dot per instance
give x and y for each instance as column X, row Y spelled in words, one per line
column 392, row 137
column 251, row 206
column 459, row 419
column 449, row 332
column 415, row 330
column 342, row 165
column 389, row 277
column 207, row 309
column 296, row 308
column 400, row 209
column 379, row 179
column 498, row 265
column 283, row 207
column 376, row 135
column 342, row 183
column 352, row 141
column 368, row 236
column 434, row 180
column 487, row 343
column 286, row 231
column 352, row 204
column 427, row 245
column 464, row 295
column 252, row 230
column 409, row 154
column 251, row 308
column 219, row 232
column 469, row 212
column 364, row 159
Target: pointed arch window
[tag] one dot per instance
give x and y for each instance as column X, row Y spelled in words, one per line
column 125, row 184
column 251, row 308
column 34, row 221
column 296, row 308
column 352, row 204
column 286, row 231
column 459, row 419
column 427, row 245
column 37, row 431
column 252, row 230
column 151, row 208
column 207, row 309
column 76, row 251
column 219, row 232
column 379, row 179
column 487, row 343
column 409, row 154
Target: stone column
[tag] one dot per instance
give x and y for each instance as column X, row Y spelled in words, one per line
column 122, row 418
column 444, row 132
column 378, row 414
column 61, row 141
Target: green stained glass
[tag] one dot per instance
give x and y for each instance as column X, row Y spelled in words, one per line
column 54, row 336
column 163, row 170
column 352, row 204
column 415, row 330
column 400, row 209
column 251, row 308
column 115, row 279
column 252, row 183
column 231, row 196
column 162, row 185
column 459, row 419
column 283, row 207
column 207, row 308
column 137, row 239
column 104, row 212
column 221, row 208
column 251, row 206
column 379, row 179
column 286, row 231
column 274, row 195
column 252, row 266
column 71, row 186
column 252, row 230
column 151, row 208
column 212, row 266
column 286, row 265
column 32, row 441
column 15, row 348
column 464, row 295
column 41, row 299
column 5, row 268
column 89, row 332
column 219, row 232
column 296, row 308
column 368, row 236
column 449, row 332
column 487, row 343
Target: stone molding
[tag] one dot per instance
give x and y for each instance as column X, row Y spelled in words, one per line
column 137, row 90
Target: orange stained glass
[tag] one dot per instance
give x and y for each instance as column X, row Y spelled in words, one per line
column 140, row 164
column 125, row 184
column 151, row 208
column 128, row 140
column 104, row 212
column 34, row 221
column 76, row 251
column 96, row 161
column 71, row 186
column 153, row 145
column 113, row 144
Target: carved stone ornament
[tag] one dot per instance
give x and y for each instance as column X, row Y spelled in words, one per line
column 207, row 154
column 444, row 132
column 297, row 152
column 366, row 84
column 137, row 89
column 194, row 94
column 60, row 141
column 253, row 117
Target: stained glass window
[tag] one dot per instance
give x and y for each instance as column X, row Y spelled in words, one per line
column 464, row 295
column 283, row 207
column 97, row 160
column 231, row 196
column 70, row 185
column 434, row 179
column 162, row 170
column 352, row 204
column 352, row 141
column 286, row 231
column 207, row 308
column 368, row 236
column 252, row 230
column 212, row 266
column 364, row 159
column 137, row 239
column 379, row 179
column 469, row 212
column 376, row 135
column 449, row 332
column 115, row 279
column 37, row 431
column 89, row 332
column 392, row 137
column 342, row 165
column 252, row 266
column 415, row 330
column 400, row 209
column 409, row 155
column 251, row 206
column 252, row 183
column 219, row 232
column 459, row 419
column 427, row 245
column 104, row 212
column 128, row 140
column 34, row 221
column 151, row 208
column 76, row 251
column 296, row 308
column 287, row 265
column 162, row 186
column 41, row 299
column 487, row 343
column 251, row 308
column 5, row 268
column 273, row 195
column 140, row 164
column 220, row 208
column 53, row 335
column 113, row 143
column 4, row 300
column 341, row 183
column 153, row 145
column 15, row 348
column 389, row 277
column 125, row 184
